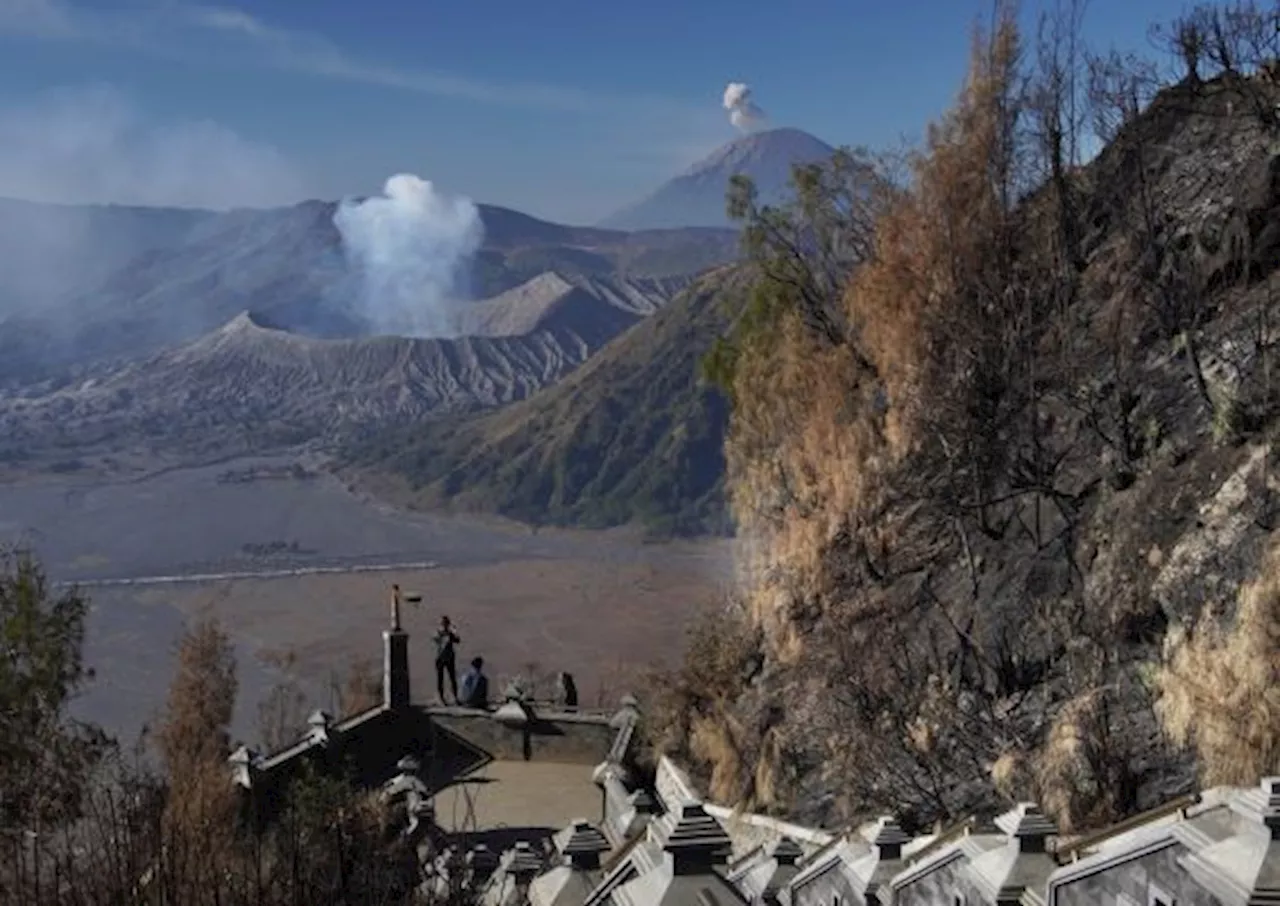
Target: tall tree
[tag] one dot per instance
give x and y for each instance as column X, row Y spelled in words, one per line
column 194, row 741
column 799, row 257
column 46, row 756
column 282, row 714
column 201, row 700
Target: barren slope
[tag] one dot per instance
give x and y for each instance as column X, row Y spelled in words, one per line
column 589, row 307
column 249, row 384
column 250, row 387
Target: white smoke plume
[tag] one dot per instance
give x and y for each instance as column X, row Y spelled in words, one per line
column 743, row 112
column 93, row 146
column 410, row 246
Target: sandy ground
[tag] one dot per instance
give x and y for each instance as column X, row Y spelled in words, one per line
column 563, row 615
column 597, row 604
column 605, row 622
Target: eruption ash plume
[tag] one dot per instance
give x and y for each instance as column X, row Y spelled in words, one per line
column 410, row 246
column 743, row 112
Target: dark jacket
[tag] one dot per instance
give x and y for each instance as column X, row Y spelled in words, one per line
column 475, row 689
column 445, row 640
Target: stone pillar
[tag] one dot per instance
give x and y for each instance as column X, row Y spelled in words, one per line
column 244, row 766
column 482, row 864
column 319, row 725
column 523, row 864
column 395, row 669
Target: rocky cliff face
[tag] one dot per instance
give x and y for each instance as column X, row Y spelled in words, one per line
column 933, row 621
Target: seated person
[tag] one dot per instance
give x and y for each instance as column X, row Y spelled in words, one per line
column 475, row 686
column 568, row 692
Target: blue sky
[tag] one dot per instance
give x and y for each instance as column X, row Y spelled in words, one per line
column 565, row 109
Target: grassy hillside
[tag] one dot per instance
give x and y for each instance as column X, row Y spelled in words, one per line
column 631, row 436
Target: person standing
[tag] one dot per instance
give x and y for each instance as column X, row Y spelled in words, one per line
column 446, row 659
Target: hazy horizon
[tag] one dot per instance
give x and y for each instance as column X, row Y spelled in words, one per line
column 565, row 117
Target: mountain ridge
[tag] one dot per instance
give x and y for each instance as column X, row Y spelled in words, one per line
column 696, row 197
column 253, row 374
column 632, row 435
column 159, row 287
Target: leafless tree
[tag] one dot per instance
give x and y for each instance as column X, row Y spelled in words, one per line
column 282, row 714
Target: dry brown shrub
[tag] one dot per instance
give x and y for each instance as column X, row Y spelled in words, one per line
column 1012, row 776
column 773, row 770
column 718, row 663
column 193, row 740
column 829, row 474
column 617, row 679
column 1088, row 769
column 282, row 713
column 1064, row 772
column 359, row 690
column 747, row 771
column 808, row 461
column 716, row 740
column 919, row 305
column 201, row 702
column 801, row 464
column 1219, row 689
column 180, row 838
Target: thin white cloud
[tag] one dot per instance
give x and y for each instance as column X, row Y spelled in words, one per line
column 169, row 29
column 644, row 137
column 233, row 20
column 92, row 145
column 37, row 19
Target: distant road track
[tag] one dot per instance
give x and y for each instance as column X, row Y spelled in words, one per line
column 195, row 578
